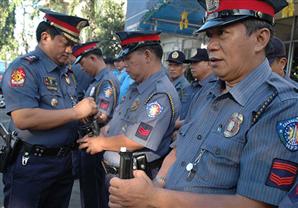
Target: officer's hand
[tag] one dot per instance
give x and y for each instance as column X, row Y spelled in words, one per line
column 101, row 117
column 136, row 192
column 92, row 145
column 85, row 108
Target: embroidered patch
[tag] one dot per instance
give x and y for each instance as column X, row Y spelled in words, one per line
column 104, row 104
column 51, row 83
column 153, row 109
column 144, row 131
column 282, row 174
column 233, row 125
column 293, row 194
column 212, row 5
column 108, row 92
column 288, row 133
column 18, row 77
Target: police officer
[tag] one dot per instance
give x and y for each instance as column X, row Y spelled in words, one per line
column 144, row 120
column 41, row 99
column 105, row 90
column 240, row 147
column 176, row 70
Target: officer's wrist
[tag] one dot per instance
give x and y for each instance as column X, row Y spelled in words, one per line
column 159, row 181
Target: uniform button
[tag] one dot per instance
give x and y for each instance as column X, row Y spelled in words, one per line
column 199, row 137
column 183, row 163
column 217, row 151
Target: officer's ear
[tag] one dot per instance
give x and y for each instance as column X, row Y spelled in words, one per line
column 262, row 37
column 148, row 55
column 44, row 36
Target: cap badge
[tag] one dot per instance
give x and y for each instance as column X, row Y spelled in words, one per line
column 82, row 24
column 54, row 102
column 288, row 133
column 233, row 125
column 212, row 5
column 175, row 55
column 135, row 105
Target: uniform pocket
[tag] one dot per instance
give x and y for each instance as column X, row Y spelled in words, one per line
column 219, row 166
column 51, row 100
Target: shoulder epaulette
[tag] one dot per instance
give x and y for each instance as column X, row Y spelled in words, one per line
column 31, row 59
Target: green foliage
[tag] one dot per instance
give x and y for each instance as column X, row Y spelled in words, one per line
column 8, row 45
column 106, row 17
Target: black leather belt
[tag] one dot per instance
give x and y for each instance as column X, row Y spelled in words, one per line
column 42, row 151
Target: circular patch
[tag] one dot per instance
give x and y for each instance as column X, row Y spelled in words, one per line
column 288, row 133
column 175, row 55
column 153, row 109
column 108, row 92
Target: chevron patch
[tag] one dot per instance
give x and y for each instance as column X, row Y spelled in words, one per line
column 282, row 174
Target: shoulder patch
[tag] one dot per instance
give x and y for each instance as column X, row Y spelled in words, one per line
column 18, row 77
column 288, row 133
column 31, row 59
column 282, row 174
column 153, row 109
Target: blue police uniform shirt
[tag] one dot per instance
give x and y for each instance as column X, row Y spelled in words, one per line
column 181, row 85
column 232, row 145
column 105, row 89
column 291, row 199
column 35, row 81
column 82, row 78
column 194, row 89
column 147, row 116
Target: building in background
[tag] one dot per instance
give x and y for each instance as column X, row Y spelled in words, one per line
column 286, row 28
column 176, row 19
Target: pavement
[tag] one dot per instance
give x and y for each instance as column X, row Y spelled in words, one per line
column 75, row 196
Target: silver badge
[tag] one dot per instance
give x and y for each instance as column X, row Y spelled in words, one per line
column 233, row 125
column 212, row 5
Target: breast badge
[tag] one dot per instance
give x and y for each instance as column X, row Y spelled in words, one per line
column 288, row 133
column 18, row 77
column 135, row 105
column 51, row 83
column 233, row 125
column 153, row 109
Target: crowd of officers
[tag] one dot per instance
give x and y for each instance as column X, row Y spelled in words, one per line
column 228, row 138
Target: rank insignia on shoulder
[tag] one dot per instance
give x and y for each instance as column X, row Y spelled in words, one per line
column 153, row 109
column 282, row 174
column 31, row 59
column 293, row 194
column 143, row 131
column 233, row 125
column 108, row 91
column 18, row 77
column 288, row 133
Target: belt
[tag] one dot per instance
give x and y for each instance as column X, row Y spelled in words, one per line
column 42, row 151
column 109, row 169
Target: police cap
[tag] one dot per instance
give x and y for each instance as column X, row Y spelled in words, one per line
column 224, row 12
column 70, row 26
column 130, row 41
column 177, row 57
column 277, row 49
column 201, row 55
column 79, row 51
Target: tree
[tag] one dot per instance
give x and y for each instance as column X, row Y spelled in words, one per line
column 106, row 17
column 8, row 45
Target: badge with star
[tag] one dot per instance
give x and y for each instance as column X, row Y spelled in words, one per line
column 108, row 92
column 288, row 133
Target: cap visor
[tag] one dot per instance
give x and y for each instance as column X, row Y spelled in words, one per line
column 78, row 59
column 218, row 22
